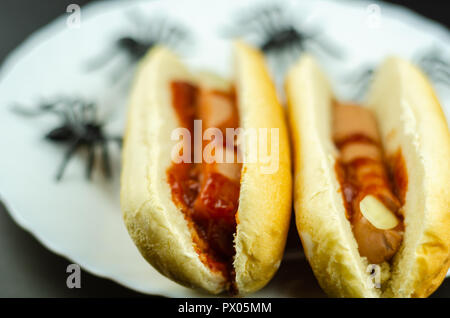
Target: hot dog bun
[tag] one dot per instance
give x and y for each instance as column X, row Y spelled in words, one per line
column 158, row 228
column 409, row 118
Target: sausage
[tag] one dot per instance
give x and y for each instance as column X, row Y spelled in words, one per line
column 218, row 197
column 210, row 189
column 362, row 172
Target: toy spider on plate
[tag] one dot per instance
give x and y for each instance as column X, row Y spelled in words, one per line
column 435, row 65
column 149, row 32
column 277, row 33
column 430, row 60
column 79, row 128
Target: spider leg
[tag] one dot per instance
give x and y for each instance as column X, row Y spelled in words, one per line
column 42, row 109
column 85, row 110
column 78, row 107
column 431, row 62
column 65, row 113
column 247, row 19
column 91, row 161
column 443, row 70
column 440, row 77
column 264, row 22
column 443, row 81
column 441, row 63
column 440, row 72
column 274, row 18
column 432, row 59
column 69, row 153
column 429, row 54
column 90, row 112
column 118, row 140
column 269, row 21
column 142, row 27
column 251, row 23
column 20, row 110
column 70, row 114
column 106, row 160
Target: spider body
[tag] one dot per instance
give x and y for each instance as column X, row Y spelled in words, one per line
column 134, row 48
column 61, row 134
column 135, row 45
column 277, row 33
column 79, row 128
column 282, row 39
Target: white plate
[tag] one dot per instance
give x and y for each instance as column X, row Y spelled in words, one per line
column 82, row 221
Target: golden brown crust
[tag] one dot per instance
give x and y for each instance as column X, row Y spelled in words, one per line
column 411, row 121
column 157, row 227
column 265, row 199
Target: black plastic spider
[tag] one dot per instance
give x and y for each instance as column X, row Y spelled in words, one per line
column 80, row 128
column 277, row 32
column 149, row 32
column 430, row 60
column 433, row 62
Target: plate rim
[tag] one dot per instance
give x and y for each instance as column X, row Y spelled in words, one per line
column 38, row 37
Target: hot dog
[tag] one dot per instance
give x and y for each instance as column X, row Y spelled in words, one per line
column 364, row 182
column 372, row 191
column 210, row 225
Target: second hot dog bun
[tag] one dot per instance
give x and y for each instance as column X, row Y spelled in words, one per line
column 158, row 228
column 409, row 118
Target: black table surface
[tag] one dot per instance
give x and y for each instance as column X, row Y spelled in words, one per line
column 28, row 269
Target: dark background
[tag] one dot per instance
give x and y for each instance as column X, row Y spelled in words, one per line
column 27, row 269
